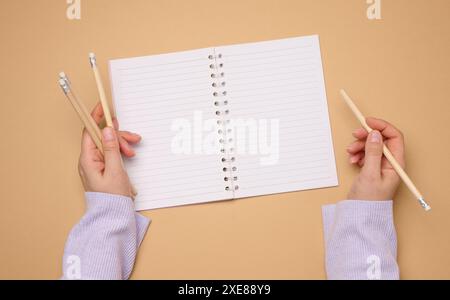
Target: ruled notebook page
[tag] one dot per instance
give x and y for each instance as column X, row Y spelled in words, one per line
column 156, row 96
column 279, row 84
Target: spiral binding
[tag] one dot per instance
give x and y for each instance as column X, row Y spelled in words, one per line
column 221, row 103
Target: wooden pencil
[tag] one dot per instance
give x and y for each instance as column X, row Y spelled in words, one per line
column 83, row 107
column 86, row 119
column 101, row 90
column 102, row 95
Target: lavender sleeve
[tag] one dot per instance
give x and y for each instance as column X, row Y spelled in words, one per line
column 360, row 240
column 104, row 244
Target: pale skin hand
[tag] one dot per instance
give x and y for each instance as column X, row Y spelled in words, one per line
column 106, row 174
column 377, row 179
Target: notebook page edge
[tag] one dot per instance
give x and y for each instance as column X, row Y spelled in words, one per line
column 333, row 152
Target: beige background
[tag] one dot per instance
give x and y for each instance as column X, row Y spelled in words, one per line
column 397, row 68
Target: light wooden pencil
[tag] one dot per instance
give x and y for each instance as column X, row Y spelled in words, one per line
column 86, row 119
column 103, row 100
column 101, row 90
column 387, row 153
column 83, row 107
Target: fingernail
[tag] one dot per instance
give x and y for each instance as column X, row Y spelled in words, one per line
column 375, row 137
column 108, row 134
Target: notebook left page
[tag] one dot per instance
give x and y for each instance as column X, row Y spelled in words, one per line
column 167, row 99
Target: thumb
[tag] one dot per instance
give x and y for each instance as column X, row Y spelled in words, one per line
column 374, row 154
column 113, row 159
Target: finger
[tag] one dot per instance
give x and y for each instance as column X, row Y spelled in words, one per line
column 362, row 161
column 130, row 137
column 87, row 143
column 356, row 146
column 90, row 157
column 115, row 123
column 111, row 149
column 397, row 148
column 360, row 133
column 385, row 128
column 373, row 155
column 355, row 158
column 97, row 113
column 394, row 138
column 125, row 148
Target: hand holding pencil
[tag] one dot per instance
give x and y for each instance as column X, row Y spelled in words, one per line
column 377, row 148
column 377, row 179
column 105, row 173
column 101, row 166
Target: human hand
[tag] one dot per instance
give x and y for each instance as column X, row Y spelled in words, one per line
column 105, row 173
column 377, row 179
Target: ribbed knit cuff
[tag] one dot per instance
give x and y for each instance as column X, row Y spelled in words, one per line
column 142, row 224
column 363, row 213
column 356, row 210
column 117, row 204
column 104, row 243
column 355, row 232
column 110, row 202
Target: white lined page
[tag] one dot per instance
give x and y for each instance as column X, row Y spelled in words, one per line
column 280, row 80
column 150, row 94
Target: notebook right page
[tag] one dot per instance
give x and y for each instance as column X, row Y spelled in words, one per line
column 279, row 132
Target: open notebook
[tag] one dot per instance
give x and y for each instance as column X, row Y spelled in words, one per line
column 226, row 122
